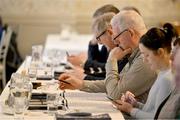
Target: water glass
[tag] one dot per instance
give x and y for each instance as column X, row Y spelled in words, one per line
column 37, row 53
column 52, row 103
column 52, row 98
column 20, row 92
column 32, row 72
column 21, row 103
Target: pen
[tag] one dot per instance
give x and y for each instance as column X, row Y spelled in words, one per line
column 67, row 53
column 57, row 81
column 64, row 82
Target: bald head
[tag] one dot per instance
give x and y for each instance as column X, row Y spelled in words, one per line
column 129, row 19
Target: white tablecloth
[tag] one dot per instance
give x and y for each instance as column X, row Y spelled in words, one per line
column 75, row 43
column 95, row 103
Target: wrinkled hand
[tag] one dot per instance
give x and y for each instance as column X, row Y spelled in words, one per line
column 118, row 53
column 129, row 97
column 77, row 60
column 75, row 83
column 78, row 72
column 123, row 106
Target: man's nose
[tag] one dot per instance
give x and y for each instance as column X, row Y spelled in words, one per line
column 116, row 42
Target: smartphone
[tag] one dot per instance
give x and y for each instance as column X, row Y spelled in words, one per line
column 113, row 100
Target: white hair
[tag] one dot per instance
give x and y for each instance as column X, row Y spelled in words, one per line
column 129, row 19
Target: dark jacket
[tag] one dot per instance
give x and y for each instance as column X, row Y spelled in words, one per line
column 94, row 67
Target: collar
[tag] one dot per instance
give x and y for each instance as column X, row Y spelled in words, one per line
column 134, row 54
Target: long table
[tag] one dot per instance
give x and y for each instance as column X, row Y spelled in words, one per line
column 95, row 103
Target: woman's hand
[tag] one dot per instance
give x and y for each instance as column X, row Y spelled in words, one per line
column 129, row 97
column 123, row 106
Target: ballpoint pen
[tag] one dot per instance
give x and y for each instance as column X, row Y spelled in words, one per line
column 57, row 81
column 67, row 53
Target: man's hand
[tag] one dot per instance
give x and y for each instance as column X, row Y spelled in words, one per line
column 74, row 83
column 77, row 60
column 78, row 72
column 118, row 53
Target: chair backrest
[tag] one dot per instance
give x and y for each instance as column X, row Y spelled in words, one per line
column 3, row 53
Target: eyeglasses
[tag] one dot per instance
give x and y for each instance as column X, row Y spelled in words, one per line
column 98, row 37
column 120, row 34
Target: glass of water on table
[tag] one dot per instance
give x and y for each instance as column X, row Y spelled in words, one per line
column 20, row 92
column 52, row 97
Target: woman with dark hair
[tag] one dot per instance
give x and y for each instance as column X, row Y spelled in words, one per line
column 155, row 47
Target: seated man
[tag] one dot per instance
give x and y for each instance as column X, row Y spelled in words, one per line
column 94, row 65
column 136, row 76
column 102, row 30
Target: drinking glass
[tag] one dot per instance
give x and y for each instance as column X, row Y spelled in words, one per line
column 37, row 53
column 32, row 72
column 20, row 92
column 52, row 98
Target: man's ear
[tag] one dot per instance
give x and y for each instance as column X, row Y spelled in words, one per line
column 160, row 52
column 131, row 31
column 109, row 30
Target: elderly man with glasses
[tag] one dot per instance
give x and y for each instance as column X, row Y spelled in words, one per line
column 136, row 76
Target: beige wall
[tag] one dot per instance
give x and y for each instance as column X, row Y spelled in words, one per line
column 34, row 19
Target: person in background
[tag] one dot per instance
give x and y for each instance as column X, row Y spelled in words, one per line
column 94, row 65
column 126, row 29
column 155, row 47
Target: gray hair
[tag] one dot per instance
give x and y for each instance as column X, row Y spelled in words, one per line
column 101, row 23
column 129, row 19
column 105, row 9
